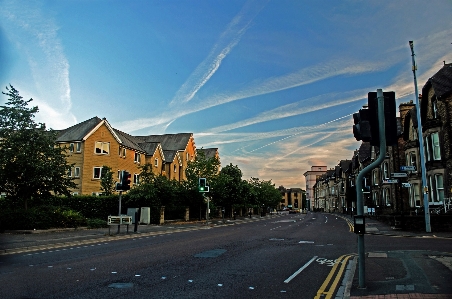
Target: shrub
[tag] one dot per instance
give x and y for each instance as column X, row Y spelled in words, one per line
column 96, row 223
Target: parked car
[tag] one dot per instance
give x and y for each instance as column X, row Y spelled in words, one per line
column 294, row 211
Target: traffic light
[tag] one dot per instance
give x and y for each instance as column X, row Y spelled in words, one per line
column 202, row 185
column 390, row 118
column 124, row 177
column 361, row 128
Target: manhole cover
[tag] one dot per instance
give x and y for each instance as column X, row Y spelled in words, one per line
column 121, row 285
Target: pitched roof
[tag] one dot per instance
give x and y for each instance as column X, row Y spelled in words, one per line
column 131, row 141
column 209, row 152
column 441, row 81
column 176, row 142
column 79, row 131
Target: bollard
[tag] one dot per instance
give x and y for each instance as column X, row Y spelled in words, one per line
column 135, row 229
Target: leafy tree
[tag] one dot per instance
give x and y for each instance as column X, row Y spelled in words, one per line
column 227, row 187
column 31, row 166
column 201, row 167
column 107, row 183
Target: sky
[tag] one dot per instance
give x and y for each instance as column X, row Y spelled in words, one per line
column 272, row 84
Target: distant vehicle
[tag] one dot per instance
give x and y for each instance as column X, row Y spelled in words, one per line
column 286, row 209
column 294, row 211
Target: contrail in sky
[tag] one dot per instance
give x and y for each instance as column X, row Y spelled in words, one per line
column 227, row 41
column 37, row 34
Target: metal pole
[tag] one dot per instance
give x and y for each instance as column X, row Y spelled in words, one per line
column 359, row 191
column 421, row 145
column 119, row 213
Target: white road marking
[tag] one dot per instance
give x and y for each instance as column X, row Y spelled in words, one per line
column 299, row 270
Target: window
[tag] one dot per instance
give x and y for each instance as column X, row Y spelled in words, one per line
column 119, row 174
column 187, row 157
column 102, row 148
column 434, row 107
column 415, row 200
column 375, row 199
column 156, row 162
column 433, row 151
column 136, row 179
column 435, row 146
column 71, row 147
column 411, row 160
column 122, row 152
column 175, row 168
column 385, row 196
column 78, row 147
column 137, row 158
column 69, row 172
column 97, row 172
column 385, row 171
column 436, row 189
column 375, row 177
column 77, row 172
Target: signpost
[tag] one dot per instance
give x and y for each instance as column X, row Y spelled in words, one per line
column 407, row 168
column 399, row 175
column 394, row 181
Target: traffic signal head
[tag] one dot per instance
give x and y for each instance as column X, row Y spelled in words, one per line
column 202, row 185
column 125, row 180
column 361, row 128
column 389, row 118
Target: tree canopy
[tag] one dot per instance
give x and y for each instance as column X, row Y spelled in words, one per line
column 30, row 164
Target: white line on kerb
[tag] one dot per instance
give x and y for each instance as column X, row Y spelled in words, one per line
column 299, row 270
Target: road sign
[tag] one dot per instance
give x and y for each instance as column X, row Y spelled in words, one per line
column 395, row 181
column 399, row 175
column 407, row 168
column 406, row 185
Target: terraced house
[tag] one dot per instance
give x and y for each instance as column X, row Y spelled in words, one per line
column 381, row 195
column 94, row 143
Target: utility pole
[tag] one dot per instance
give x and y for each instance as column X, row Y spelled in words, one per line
column 421, row 145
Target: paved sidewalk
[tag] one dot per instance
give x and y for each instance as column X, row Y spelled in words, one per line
column 407, row 272
column 29, row 240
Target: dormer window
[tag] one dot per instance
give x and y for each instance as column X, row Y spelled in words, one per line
column 156, row 162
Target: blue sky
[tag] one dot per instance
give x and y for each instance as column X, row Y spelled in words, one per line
column 272, row 84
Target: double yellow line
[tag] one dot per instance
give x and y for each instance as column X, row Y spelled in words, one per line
column 349, row 222
column 328, row 287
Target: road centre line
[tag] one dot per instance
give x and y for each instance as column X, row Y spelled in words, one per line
column 299, row 270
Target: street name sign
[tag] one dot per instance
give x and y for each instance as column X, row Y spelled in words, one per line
column 406, row 185
column 407, row 168
column 395, row 181
column 399, row 175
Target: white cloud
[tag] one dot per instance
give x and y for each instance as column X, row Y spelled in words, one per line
column 35, row 35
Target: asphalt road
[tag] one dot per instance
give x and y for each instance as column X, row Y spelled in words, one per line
column 292, row 256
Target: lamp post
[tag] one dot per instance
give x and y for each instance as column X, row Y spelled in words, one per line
column 421, row 145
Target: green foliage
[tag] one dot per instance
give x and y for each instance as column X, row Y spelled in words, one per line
column 43, row 217
column 96, row 223
column 31, row 166
column 107, row 183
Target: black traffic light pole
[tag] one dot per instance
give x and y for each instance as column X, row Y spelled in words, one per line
column 359, row 182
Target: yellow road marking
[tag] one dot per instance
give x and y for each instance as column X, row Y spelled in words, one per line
column 342, row 260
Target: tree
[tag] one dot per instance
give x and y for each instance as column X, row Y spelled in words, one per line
column 31, row 165
column 107, row 183
column 202, row 167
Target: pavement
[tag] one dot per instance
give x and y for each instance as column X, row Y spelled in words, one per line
column 401, row 274
column 407, row 274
